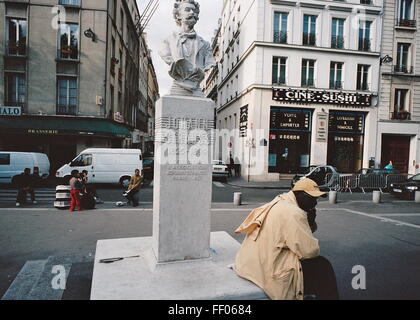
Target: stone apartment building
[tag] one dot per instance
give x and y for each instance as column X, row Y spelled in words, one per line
column 69, row 76
column 399, row 108
column 304, row 72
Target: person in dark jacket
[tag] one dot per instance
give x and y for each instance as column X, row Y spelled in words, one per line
column 24, row 185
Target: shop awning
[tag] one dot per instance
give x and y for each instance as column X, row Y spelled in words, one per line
column 54, row 126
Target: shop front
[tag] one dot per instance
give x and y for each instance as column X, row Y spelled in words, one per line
column 396, row 148
column 61, row 139
column 290, row 140
column 346, row 140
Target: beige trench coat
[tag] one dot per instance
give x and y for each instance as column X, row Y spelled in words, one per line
column 278, row 237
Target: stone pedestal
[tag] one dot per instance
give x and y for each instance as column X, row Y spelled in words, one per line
column 182, row 260
column 183, row 178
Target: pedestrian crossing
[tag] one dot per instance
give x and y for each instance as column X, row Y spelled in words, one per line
column 9, row 195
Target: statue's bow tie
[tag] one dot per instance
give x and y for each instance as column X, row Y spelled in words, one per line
column 184, row 36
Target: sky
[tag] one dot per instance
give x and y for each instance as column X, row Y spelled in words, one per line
column 162, row 24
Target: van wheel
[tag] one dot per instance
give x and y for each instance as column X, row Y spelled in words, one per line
column 125, row 182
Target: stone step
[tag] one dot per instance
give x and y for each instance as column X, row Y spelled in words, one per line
column 26, row 279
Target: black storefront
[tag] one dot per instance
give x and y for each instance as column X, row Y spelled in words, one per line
column 346, row 140
column 290, row 140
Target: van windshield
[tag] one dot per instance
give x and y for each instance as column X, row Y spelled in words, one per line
column 83, row 160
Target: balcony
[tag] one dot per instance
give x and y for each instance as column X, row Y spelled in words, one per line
column 366, row 2
column 408, row 23
column 66, row 110
column 364, row 45
column 336, row 85
column 280, row 37
column 309, row 39
column 16, row 48
column 68, row 53
column 403, row 69
column 400, row 115
column 364, row 86
column 337, row 42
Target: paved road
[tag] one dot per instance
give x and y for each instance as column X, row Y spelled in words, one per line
column 384, row 239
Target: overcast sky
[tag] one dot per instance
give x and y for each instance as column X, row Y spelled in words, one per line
column 162, row 24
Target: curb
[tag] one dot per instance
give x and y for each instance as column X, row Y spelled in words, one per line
column 257, row 187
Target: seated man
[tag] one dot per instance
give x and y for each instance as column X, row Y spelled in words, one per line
column 280, row 254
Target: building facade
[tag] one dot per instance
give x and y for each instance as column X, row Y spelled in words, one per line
column 298, row 84
column 70, row 73
column 399, row 108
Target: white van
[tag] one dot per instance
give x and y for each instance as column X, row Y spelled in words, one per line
column 14, row 163
column 105, row 165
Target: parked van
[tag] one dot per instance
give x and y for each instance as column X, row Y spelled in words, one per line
column 14, row 163
column 105, row 165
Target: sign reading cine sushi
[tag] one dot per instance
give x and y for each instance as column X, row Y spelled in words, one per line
column 322, row 97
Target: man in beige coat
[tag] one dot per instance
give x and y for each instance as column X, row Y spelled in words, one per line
column 278, row 242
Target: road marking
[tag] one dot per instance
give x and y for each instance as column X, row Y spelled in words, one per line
column 375, row 217
column 219, row 184
column 398, row 214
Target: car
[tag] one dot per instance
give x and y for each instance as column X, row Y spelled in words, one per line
column 220, row 170
column 406, row 189
column 13, row 164
column 148, row 168
column 383, row 172
column 105, row 165
column 319, row 174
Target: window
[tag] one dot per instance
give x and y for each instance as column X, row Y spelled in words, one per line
column 308, row 73
column 365, row 1
column 84, row 160
column 4, row 159
column 279, row 70
column 401, row 100
column 402, row 65
column 405, row 12
column 16, row 37
column 15, row 89
column 364, row 35
column 280, row 27
column 337, row 33
column 336, row 72
column 67, row 96
column 309, row 30
column 68, row 41
column 362, row 77
column 122, row 23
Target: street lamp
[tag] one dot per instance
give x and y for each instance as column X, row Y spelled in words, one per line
column 90, row 34
column 386, row 59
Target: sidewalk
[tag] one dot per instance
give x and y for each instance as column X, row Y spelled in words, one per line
column 243, row 183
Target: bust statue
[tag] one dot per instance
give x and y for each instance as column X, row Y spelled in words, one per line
column 187, row 54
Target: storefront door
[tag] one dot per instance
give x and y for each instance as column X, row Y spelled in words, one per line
column 396, row 149
column 345, row 141
column 290, row 140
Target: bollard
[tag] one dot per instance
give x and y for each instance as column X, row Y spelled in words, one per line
column 376, row 197
column 417, row 197
column 333, row 197
column 237, row 198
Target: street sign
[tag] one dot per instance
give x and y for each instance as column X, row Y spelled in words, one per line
column 11, row 111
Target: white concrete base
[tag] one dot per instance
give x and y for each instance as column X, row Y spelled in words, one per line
column 140, row 278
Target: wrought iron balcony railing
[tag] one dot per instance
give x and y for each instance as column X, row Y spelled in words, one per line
column 68, row 53
column 364, row 45
column 309, row 39
column 400, row 115
column 66, row 110
column 308, row 83
column 336, row 84
column 403, row 69
column 16, row 48
column 406, row 23
column 280, row 37
column 337, row 42
column 364, row 86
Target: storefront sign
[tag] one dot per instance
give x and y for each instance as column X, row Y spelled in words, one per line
column 243, row 122
column 10, row 111
column 294, row 120
column 347, row 123
column 42, row 131
column 322, row 97
column 322, row 127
